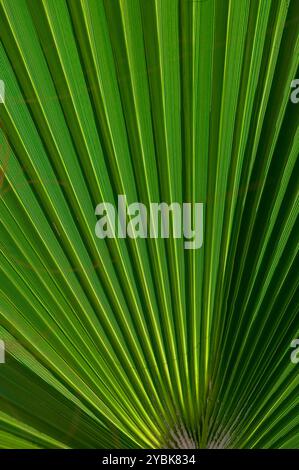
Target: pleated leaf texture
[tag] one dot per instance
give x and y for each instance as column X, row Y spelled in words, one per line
column 139, row 342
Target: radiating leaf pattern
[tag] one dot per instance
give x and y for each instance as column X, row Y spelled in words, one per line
column 138, row 342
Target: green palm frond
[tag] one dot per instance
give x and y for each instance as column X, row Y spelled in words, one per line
column 127, row 342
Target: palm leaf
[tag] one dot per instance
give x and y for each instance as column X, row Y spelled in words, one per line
column 138, row 342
